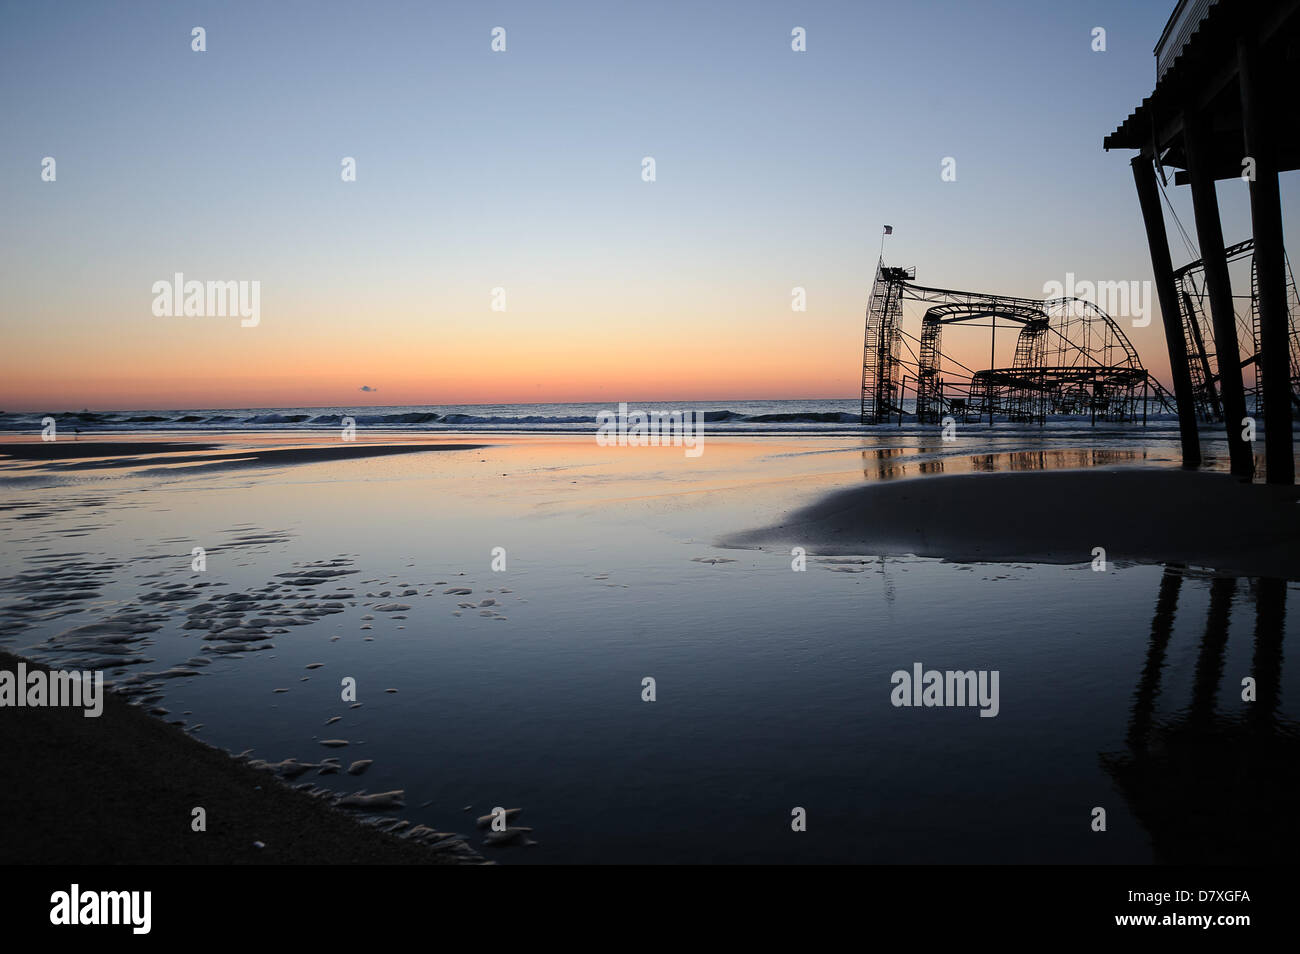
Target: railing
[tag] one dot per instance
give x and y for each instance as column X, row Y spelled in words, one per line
column 1187, row 16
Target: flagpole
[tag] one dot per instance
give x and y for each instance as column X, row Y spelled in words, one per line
column 885, row 230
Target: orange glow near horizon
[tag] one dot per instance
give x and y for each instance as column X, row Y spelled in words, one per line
column 680, row 341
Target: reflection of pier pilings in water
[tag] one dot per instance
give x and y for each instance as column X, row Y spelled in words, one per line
column 1211, row 786
column 1209, row 664
column 1270, row 614
column 1162, row 627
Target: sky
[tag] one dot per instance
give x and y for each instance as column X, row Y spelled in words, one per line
column 522, row 170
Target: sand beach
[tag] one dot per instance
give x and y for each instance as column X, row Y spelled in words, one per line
column 496, row 602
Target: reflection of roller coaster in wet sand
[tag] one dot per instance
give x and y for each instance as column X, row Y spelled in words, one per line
column 1071, row 359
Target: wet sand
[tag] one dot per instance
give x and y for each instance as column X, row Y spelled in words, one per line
column 67, row 450
column 338, row 566
column 121, row 789
column 1142, row 516
column 95, row 455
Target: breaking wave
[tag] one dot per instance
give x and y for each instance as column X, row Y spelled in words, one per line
column 756, row 417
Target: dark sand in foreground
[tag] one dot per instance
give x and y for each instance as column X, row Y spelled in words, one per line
column 1144, row 516
column 120, row 789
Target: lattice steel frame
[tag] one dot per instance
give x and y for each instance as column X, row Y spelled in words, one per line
column 1198, row 330
column 1070, row 358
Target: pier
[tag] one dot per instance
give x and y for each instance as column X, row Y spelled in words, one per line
column 1223, row 108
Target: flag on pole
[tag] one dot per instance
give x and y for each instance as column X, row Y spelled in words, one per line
column 889, row 230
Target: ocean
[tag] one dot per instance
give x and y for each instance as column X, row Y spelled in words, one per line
column 784, row 417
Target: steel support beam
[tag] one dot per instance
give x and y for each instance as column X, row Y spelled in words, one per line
column 1270, row 270
column 1209, row 232
column 1144, row 177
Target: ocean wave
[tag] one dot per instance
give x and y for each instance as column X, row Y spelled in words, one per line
column 804, row 417
column 752, row 417
column 277, row 419
column 527, row 419
column 413, row 417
